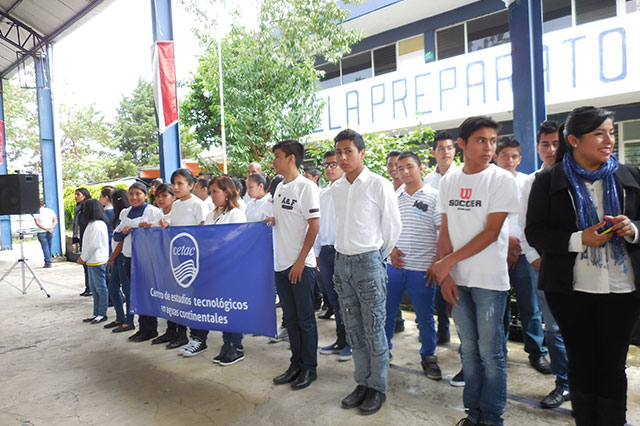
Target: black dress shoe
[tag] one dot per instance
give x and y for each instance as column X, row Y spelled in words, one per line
column 113, row 324
column 355, row 398
column 443, row 338
column 179, row 340
column 86, row 293
column 123, row 327
column 555, row 398
column 164, row 338
column 143, row 336
column 88, row 319
column 372, row 402
column 304, row 379
column 134, row 336
column 540, row 363
column 289, row 376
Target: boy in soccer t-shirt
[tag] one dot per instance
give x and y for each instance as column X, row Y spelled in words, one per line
column 472, row 270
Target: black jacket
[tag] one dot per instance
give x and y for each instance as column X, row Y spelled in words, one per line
column 551, row 219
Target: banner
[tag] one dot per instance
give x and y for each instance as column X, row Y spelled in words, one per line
column 164, row 84
column 215, row 277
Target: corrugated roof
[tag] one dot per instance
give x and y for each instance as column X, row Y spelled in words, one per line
column 27, row 26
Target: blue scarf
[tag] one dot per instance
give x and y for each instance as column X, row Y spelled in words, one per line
column 586, row 210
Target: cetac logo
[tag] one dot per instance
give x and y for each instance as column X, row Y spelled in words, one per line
column 185, row 259
column 465, row 193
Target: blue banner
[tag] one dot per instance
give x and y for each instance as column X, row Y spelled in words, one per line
column 216, row 277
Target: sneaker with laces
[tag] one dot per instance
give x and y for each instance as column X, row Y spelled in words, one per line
column 233, row 355
column 458, row 379
column 431, row 368
column 223, row 351
column 332, row 349
column 193, row 348
column 283, row 334
column 345, row 354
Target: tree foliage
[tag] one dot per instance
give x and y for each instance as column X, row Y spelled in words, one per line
column 21, row 127
column 269, row 77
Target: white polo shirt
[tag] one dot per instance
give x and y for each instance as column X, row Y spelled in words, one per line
column 45, row 216
column 256, row 211
column 188, row 212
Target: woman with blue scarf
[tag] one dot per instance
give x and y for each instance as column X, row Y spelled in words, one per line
column 590, row 276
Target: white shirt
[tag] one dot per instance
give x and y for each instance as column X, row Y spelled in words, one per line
column 515, row 229
column 327, row 232
column 95, row 243
column 399, row 190
column 208, row 205
column 433, row 179
column 235, row 215
column 151, row 214
column 367, row 215
column 294, row 203
column 590, row 278
column 530, row 253
column 188, row 212
column 45, row 216
column 256, row 211
column 243, row 205
column 467, row 200
column 420, row 222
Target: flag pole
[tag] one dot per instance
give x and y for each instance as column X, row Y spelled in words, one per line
column 222, row 129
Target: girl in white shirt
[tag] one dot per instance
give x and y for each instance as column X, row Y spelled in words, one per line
column 225, row 197
column 257, row 189
column 95, row 253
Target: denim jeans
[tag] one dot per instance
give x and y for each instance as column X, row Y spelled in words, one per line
column 421, row 296
column 555, row 343
column 361, row 284
column 126, row 288
column 45, row 242
column 441, row 311
column 299, row 317
column 117, row 280
column 235, row 338
column 524, row 283
column 327, row 264
column 98, row 287
column 479, row 318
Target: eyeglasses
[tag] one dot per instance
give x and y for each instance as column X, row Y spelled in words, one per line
column 331, row 165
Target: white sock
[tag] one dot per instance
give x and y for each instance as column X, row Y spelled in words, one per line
column 98, row 318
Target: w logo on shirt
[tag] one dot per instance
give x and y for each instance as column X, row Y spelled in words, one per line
column 185, row 259
column 465, row 193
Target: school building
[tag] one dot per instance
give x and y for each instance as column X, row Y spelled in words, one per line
column 438, row 62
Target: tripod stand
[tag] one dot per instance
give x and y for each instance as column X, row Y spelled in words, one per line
column 23, row 263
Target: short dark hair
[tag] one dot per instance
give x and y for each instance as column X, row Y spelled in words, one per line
column 185, row 173
column 409, row 154
column 508, row 142
column 164, row 187
column 442, row 135
column 314, row 171
column 548, row 126
column 473, row 124
column 330, row 153
column 107, row 190
column 259, row 179
column 140, row 186
column 274, row 184
column 291, row 147
column 351, row 135
column 93, row 210
column 203, row 182
column 393, row 153
column 241, row 186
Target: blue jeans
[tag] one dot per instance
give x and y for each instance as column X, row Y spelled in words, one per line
column 555, row 343
column 45, row 242
column 441, row 310
column 525, row 283
column 327, row 260
column 361, row 284
column 299, row 317
column 422, row 299
column 98, row 287
column 117, row 279
column 479, row 318
column 235, row 338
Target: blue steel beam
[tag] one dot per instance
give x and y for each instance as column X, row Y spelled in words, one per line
column 529, row 109
column 169, row 141
column 5, row 221
column 47, row 147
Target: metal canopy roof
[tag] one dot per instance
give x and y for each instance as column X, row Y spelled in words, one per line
column 28, row 26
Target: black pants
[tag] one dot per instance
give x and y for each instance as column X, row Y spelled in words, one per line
column 597, row 331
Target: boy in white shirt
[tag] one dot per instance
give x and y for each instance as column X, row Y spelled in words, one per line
column 46, row 220
column 472, row 269
column 296, row 220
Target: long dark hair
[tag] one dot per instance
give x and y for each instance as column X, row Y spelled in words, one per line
column 85, row 192
column 93, row 210
column 579, row 122
column 120, row 201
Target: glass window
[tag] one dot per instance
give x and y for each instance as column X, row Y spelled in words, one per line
column 356, row 67
column 488, row 31
column 384, row 60
column 632, row 6
column 594, row 10
column 556, row 15
column 631, row 130
column 331, row 75
column 632, row 154
column 450, row 42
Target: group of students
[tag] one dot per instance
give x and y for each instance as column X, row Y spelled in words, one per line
column 463, row 236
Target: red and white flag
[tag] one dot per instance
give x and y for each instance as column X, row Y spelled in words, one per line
column 164, row 84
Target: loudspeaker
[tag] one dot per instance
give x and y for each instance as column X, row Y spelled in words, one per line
column 19, row 194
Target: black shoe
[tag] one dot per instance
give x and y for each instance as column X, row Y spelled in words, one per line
column 372, row 402
column 355, row 398
column 223, row 351
column 98, row 319
column 86, row 293
column 113, row 324
column 179, row 340
column 443, row 338
column 555, row 398
column 304, row 379
column 326, row 315
column 123, row 327
column 289, row 376
column 143, row 336
column 134, row 336
column 164, row 338
column 431, row 368
column 465, row 422
column 399, row 327
column 540, row 363
column 88, row 319
column 234, row 353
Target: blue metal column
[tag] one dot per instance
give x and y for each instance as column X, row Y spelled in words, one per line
column 5, row 221
column 525, row 26
column 47, row 146
column 169, row 141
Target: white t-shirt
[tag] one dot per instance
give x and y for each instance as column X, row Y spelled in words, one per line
column 151, row 214
column 294, row 204
column 515, row 230
column 188, row 212
column 208, row 205
column 467, row 200
column 45, row 216
column 433, row 179
column 256, row 211
column 235, row 215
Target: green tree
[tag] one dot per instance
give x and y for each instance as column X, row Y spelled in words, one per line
column 270, row 81
column 21, row 126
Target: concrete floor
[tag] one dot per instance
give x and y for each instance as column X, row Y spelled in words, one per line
column 56, row 370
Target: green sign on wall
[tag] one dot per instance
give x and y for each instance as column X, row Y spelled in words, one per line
column 429, row 56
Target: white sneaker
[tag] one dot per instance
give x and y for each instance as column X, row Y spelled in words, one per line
column 283, row 334
column 193, row 348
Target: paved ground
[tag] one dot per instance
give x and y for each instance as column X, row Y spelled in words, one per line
column 56, row 370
